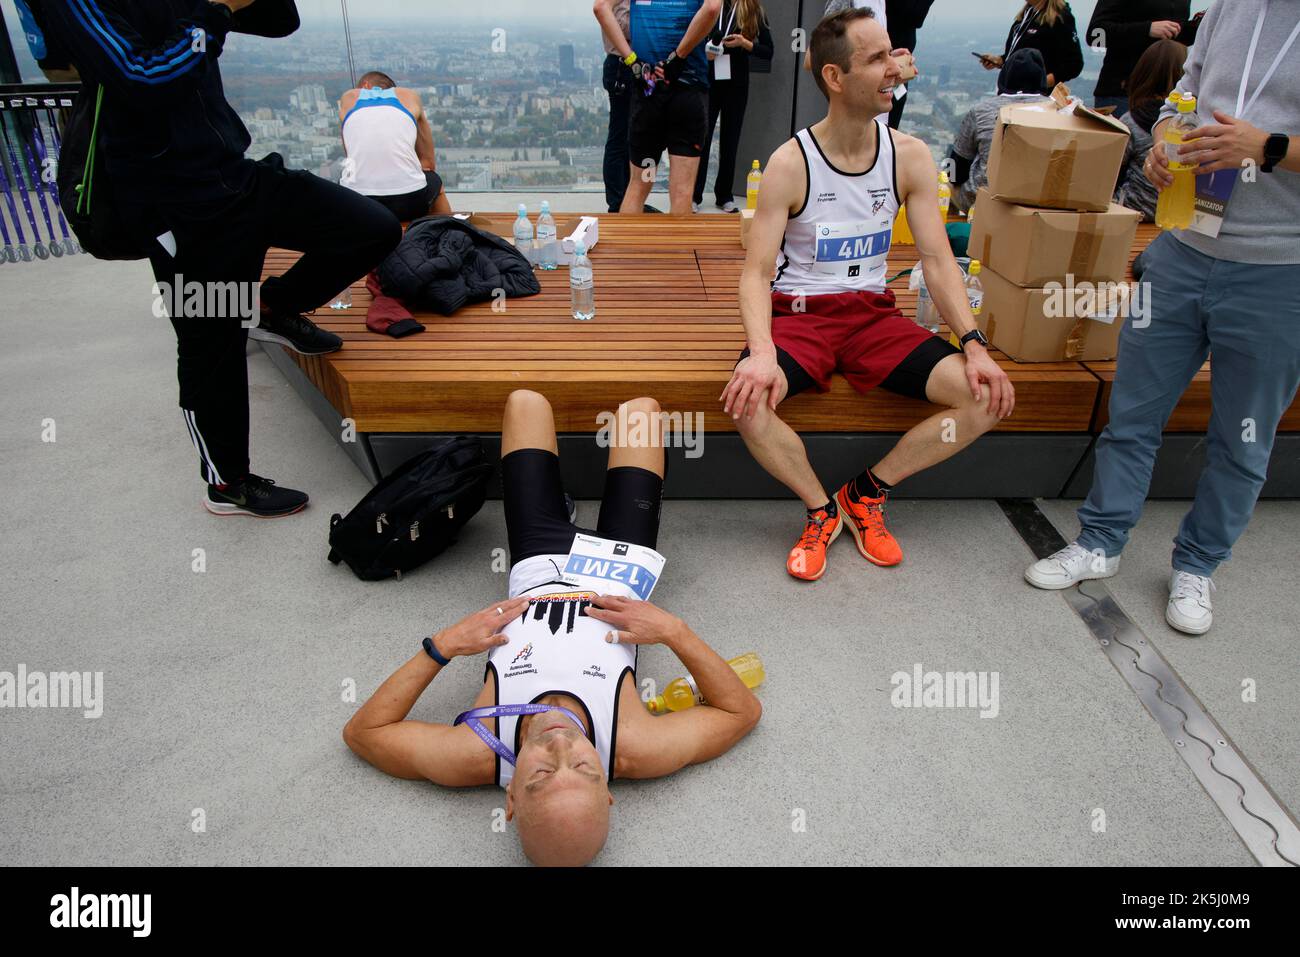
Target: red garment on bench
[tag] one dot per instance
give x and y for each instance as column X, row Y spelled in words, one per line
column 386, row 315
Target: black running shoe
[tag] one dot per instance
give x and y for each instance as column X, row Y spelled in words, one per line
column 297, row 332
column 254, row 496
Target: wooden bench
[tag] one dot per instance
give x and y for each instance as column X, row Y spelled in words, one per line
column 667, row 325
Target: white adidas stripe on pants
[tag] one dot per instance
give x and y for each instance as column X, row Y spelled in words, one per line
column 212, row 475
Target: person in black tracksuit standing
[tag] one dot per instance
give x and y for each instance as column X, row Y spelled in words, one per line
column 173, row 152
column 1126, row 28
column 729, row 97
column 1047, row 26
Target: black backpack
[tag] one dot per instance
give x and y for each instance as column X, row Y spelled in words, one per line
column 85, row 192
column 414, row 513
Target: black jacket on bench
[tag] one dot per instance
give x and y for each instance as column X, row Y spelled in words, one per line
column 167, row 133
column 442, row 263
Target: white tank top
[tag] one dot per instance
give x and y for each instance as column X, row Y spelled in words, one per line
column 839, row 240
column 379, row 135
column 554, row 647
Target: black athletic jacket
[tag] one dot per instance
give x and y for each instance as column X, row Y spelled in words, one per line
column 905, row 18
column 1125, row 27
column 1059, row 44
column 167, row 133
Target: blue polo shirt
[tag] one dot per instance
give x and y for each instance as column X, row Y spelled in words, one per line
column 659, row 25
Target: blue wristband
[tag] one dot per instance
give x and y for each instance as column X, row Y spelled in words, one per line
column 432, row 652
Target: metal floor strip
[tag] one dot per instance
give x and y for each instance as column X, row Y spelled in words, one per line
column 1262, row 822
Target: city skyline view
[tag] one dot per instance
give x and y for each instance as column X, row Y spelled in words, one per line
column 515, row 99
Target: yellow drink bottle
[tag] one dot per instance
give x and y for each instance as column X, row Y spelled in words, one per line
column 682, row 693
column 752, row 182
column 945, row 195
column 1177, row 202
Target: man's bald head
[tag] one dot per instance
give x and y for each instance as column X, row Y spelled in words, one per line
column 559, row 794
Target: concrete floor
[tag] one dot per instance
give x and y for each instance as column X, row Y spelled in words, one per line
column 223, row 689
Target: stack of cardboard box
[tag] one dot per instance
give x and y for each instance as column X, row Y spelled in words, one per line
column 1054, row 247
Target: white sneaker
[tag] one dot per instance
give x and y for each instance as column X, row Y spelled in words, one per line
column 695, row 207
column 1071, row 565
column 729, row 207
column 1189, row 608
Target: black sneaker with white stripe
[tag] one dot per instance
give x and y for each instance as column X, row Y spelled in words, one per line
column 297, row 332
column 255, row 496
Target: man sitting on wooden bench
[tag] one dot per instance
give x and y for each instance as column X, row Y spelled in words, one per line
column 389, row 146
column 560, row 687
column 828, row 203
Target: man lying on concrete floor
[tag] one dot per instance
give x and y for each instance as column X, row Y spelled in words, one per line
column 565, row 650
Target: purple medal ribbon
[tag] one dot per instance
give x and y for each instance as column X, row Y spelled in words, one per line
column 472, row 717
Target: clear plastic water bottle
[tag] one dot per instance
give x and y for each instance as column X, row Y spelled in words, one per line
column 927, row 313
column 523, row 231
column 582, row 285
column 343, row 300
column 548, row 252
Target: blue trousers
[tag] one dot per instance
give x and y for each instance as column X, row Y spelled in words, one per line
column 1247, row 317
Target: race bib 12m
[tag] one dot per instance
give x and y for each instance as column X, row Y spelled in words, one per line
column 606, row 566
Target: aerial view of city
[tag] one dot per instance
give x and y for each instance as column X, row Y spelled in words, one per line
column 515, row 99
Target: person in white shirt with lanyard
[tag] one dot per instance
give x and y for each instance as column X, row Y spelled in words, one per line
column 827, row 207
column 559, row 716
column 1225, row 288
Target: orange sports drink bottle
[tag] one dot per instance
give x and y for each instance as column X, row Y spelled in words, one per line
column 682, row 693
column 1177, row 202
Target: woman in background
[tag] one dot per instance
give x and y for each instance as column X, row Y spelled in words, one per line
column 741, row 32
column 1047, row 26
column 1156, row 73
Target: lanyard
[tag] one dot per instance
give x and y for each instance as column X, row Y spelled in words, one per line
column 472, row 716
column 1030, row 17
column 1242, row 106
column 727, row 32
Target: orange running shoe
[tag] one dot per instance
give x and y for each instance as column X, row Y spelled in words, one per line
column 807, row 560
column 866, row 520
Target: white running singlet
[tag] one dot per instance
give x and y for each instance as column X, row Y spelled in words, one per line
column 839, row 240
column 379, row 136
column 554, row 647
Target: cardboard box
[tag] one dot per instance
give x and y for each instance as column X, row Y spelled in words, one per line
column 1058, row 154
column 1032, row 246
column 746, row 220
column 1051, row 324
column 586, row 232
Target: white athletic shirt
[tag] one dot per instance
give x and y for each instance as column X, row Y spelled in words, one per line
column 555, row 647
column 839, row 240
column 379, row 134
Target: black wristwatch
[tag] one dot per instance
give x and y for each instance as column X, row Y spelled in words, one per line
column 1275, row 150
column 974, row 336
